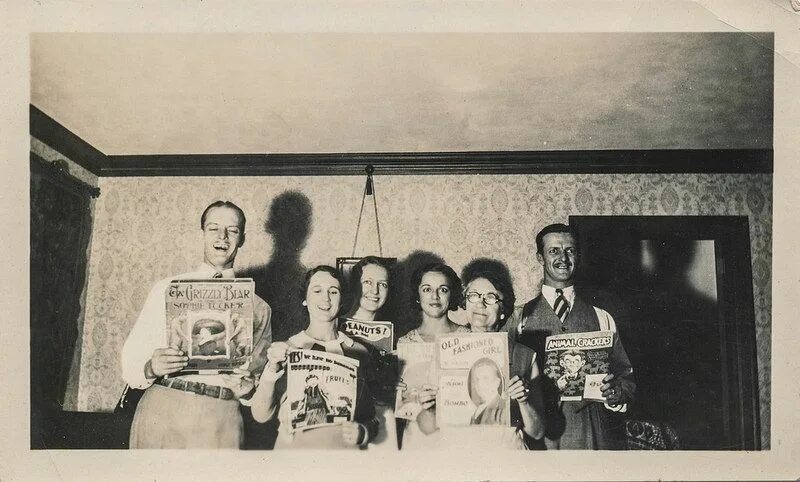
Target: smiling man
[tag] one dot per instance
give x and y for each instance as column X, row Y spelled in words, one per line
column 558, row 309
column 192, row 411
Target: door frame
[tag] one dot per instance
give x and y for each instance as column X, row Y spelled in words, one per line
column 738, row 356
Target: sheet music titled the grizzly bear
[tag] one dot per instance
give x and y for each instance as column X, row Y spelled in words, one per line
column 578, row 362
column 212, row 322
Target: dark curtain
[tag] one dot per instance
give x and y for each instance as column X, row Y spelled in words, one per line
column 60, row 225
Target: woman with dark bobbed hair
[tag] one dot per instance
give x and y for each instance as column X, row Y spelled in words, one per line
column 322, row 292
column 436, row 290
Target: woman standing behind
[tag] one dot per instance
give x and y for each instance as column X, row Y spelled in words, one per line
column 369, row 283
column 369, row 280
column 436, row 289
column 322, row 289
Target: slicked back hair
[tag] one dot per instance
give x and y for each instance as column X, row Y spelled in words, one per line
column 554, row 228
column 223, row 204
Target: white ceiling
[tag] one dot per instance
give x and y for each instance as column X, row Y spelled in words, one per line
column 287, row 93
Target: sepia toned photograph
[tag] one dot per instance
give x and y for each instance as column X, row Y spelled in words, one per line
column 691, row 161
column 424, row 242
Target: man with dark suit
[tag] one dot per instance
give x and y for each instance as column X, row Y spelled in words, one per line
column 558, row 310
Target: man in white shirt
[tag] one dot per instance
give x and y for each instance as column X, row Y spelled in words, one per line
column 574, row 425
column 192, row 411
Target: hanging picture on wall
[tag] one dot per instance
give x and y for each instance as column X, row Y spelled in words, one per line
column 345, row 264
column 212, row 322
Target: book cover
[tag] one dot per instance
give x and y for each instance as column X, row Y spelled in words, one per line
column 321, row 389
column 378, row 334
column 578, row 362
column 416, row 368
column 212, row 322
column 473, row 371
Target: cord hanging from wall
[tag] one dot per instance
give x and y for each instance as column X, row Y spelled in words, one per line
column 369, row 191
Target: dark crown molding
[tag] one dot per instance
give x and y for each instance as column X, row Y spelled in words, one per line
column 49, row 131
column 498, row 162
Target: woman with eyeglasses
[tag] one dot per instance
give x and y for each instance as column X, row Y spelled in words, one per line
column 369, row 280
column 488, row 302
column 322, row 289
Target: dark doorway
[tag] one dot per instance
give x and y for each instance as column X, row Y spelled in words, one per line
column 680, row 289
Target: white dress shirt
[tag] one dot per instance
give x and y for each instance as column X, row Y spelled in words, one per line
column 550, row 295
column 149, row 332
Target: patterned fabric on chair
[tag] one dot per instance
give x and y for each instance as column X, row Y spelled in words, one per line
column 644, row 435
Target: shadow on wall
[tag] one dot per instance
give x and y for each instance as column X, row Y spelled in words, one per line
column 671, row 331
column 686, row 360
column 277, row 282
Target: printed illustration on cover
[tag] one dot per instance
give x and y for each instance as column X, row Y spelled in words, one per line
column 212, row 322
column 321, row 388
column 578, row 362
column 378, row 334
column 473, row 379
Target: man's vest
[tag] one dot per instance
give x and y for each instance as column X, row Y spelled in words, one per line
column 569, row 425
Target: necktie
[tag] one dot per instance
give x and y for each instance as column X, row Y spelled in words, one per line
column 561, row 306
column 217, row 275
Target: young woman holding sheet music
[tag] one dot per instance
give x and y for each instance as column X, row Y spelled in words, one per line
column 369, row 283
column 436, row 289
column 488, row 300
column 323, row 293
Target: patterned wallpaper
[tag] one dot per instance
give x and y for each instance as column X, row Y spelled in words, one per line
column 147, row 228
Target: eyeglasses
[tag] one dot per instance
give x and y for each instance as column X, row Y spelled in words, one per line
column 488, row 298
